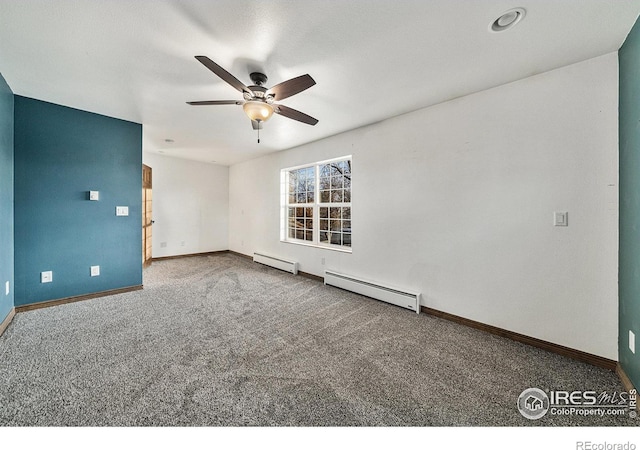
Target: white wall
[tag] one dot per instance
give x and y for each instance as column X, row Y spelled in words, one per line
column 457, row 201
column 190, row 206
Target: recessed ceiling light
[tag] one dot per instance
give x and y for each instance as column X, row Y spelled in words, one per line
column 169, row 141
column 508, row 20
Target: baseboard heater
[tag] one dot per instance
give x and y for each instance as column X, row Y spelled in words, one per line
column 404, row 299
column 282, row 264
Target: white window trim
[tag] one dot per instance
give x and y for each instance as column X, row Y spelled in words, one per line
column 284, row 217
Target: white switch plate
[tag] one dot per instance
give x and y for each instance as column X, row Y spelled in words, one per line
column 632, row 342
column 561, row 219
column 94, row 195
column 6, row 288
column 46, row 277
column 95, row 271
column 122, row 210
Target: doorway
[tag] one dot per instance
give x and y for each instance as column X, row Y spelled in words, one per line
column 147, row 216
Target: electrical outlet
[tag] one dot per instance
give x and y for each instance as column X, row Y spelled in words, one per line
column 561, row 219
column 182, row 244
column 323, row 261
column 632, row 342
column 95, row 271
column 163, row 244
column 6, row 288
column 46, row 277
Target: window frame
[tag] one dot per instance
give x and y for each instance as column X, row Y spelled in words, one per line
column 316, row 205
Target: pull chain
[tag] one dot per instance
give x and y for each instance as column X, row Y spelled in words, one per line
column 258, row 132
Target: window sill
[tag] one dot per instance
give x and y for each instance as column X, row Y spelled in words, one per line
column 323, row 247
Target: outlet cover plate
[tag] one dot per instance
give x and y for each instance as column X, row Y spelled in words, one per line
column 632, row 342
column 122, row 210
column 95, row 271
column 561, row 219
column 46, row 277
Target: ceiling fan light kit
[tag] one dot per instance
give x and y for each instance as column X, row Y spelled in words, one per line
column 258, row 110
column 258, row 102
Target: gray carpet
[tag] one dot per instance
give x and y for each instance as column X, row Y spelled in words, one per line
column 221, row 341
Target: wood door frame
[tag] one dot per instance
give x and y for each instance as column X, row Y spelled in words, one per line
column 147, row 215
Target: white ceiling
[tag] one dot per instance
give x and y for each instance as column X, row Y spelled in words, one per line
column 371, row 59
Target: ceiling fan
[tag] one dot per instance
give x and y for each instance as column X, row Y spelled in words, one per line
column 259, row 102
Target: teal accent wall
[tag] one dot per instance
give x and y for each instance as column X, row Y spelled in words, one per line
column 6, row 198
column 60, row 155
column 629, row 248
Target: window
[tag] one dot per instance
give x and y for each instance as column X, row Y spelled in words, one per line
column 317, row 204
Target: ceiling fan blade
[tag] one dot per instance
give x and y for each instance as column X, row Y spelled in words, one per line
column 256, row 125
column 294, row 114
column 216, row 102
column 226, row 76
column 291, row 87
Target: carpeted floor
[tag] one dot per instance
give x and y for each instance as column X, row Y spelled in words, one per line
column 221, row 341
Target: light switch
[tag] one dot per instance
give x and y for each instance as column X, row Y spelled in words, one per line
column 561, row 219
column 94, row 195
column 122, row 210
column 46, row 277
column 95, row 271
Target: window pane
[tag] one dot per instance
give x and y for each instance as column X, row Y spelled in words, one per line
column 310, row 187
